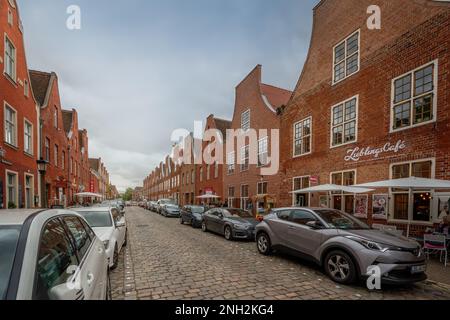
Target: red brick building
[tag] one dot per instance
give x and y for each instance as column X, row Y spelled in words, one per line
column 210, row 176
column 19, row 116
column 84, row 160
column 54, row 139
column 372, row 105
column 257, row 107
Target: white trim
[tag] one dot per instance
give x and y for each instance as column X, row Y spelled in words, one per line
column 259, row 153
column 249, row 120
column 433, row 166
column 6, row 200
column 16, row 124
column 342, row 172
column 243, row 159
column 257, row 188
column 435, row 63
column 14, row 78
column 345, row 57
column 293, row 189
column 25, row 189
column 25, row 122
column 310, row 118
column 343, row 123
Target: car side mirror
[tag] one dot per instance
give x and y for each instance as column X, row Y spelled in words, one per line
column 315, row 224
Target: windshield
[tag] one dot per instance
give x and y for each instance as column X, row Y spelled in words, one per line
column 9, row 237
column 340, row 220
column 98, row 219
column 237, row 213
column 198, row 209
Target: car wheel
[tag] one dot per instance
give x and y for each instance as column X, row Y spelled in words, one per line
column 181, row 220
column 108, row 287
column 263, row 243
column 228, row 233
column 115, row 258
column 204, row 228
column 340, row 267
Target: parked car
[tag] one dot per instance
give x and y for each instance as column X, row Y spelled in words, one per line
column 231, row 223
column 162, row 202
column 115, row 204
column 192, row 215
column 151, row 206
column 170, row 209
column 51, row 255
column 342, row 244
column 110, row 226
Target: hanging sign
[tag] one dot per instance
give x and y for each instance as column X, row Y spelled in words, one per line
column 356, row 154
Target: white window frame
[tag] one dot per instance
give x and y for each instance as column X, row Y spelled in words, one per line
column 231, row 163
column 342, row 172
column 31, row 146
column 26, row 88
column 302, row 122
column 244, row 200
column 245, row 126
column 15, row 124
column 334, row 64
column 216, row 170
column 56, row 155
column 435, row 63
column 31, row 187
column 392, row 193
column 332, row 126
column 245, row 161
column 264, row 142
column 16, row 174
column 10, row 17
column 47, row 156
column 257, row 188
column 13, row 77
column 63, row 160
column 293, row 188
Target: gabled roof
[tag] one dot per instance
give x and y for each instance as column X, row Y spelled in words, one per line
column 67, row 120
column 277, row 97
column 40, row 84
column 223, row 125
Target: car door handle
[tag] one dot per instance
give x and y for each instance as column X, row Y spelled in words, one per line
column 90, row 278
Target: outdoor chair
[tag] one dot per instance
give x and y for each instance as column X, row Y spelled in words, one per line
column 435, row 244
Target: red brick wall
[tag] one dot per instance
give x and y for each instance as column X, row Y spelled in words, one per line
column 413, row 33
column 74, row 154
column 12, row 92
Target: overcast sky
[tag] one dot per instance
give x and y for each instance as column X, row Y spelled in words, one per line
column 138, row 69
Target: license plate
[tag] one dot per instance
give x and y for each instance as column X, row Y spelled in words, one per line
column 418, row 269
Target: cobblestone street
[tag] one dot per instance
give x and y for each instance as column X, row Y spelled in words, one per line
column 166, row 260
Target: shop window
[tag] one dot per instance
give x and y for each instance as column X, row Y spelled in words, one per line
column 302, row 137
column 341, row 201
column 300, row 199
column 262, row 188
column 12, row 190
column 344, row 122
column 414, row 97
column 346, row 58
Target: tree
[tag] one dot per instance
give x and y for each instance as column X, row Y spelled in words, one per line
column 128, row 195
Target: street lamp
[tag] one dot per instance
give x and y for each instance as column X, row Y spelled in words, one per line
column 42, row 168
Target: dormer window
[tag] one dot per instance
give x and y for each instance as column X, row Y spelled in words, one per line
column 346, row 58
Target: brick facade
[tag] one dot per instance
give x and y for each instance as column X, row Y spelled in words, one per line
column 18, row 169
column 414, row 35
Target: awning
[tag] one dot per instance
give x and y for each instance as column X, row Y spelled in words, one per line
column 88, row 195
column 409, row 183
column 333, row 188
column 208, row 196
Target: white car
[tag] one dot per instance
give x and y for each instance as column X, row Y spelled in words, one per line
column 51, row 255
column 110, row 226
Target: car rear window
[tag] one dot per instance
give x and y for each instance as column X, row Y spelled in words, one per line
column 97, row 219
column 9, row 237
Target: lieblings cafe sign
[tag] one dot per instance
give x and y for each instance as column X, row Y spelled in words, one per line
column 358, row 153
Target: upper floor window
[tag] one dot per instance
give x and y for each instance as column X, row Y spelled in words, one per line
column 208, row 172
column 10, row 59
column 245, row 158
column 26, row 88
column 201, row 174
column 263, row 152
column 216, row 170
column 47, row 149
column 28, row 137
column 344, row 122
column 10, row 126
column 55, row 118
column 262, row 188
column 231, row 163
column 302, row 137
column 56, row 152
column 63, row 160
column 10, row 17
column 245, row 120
column 414, row 97
column 346, row 58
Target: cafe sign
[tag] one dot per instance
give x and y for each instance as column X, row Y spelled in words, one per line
column 356, row 154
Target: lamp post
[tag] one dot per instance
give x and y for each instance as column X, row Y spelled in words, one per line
column 42, row 168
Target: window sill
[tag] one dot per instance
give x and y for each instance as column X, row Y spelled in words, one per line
column 28, row 154
column 344, row 144
column 13, row 82
column 301, row 155
column 412, row 126
column 16, row 148
column 411, row 222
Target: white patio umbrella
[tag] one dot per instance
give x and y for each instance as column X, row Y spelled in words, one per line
column 88, row 195
column 411, row 184
column 333, row 188
column 208, row 196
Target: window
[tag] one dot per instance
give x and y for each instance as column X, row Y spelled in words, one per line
column 245, row 158
column 63, row 160
column 414, row 97
column 300, row 199
column 231, row 163
column 56, row 152
column 28, row 137
column 12, row 190
column 208, row 172
column 192, row 177
column 29, row 187
column 80, row 235
column 346, row 58
column 341, row 201
column 26, row 88
column 47, row 149
column 10, row 126
column 263, row 152
column 55, row 117
column 10, row 59
column 302, row 137
column 345, row 178
column 344, row 122
column 301, row 217
column 245, row 120
column 56, row 255
column 262, row 188
column 284, row 215
column 216, row 170
column 10, row 17
column 244, row 197
column 201, row 174
column 231, row 192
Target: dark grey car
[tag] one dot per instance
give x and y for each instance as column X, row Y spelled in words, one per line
column 231, row 223
column 343, row 245
column 192, row 215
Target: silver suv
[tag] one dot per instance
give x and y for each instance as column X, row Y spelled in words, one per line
column 343, row 245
